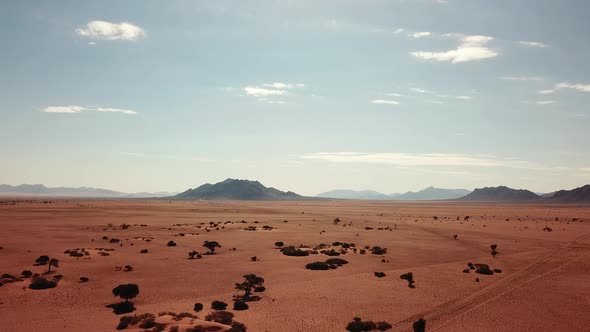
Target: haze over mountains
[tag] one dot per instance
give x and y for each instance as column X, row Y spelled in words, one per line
column 430, row 193
column 234, row 189
column 41, row 190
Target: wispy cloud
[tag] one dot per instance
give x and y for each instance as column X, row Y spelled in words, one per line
column 382, row 101
column 265, row 91
column 79, row 109
column 532, row 44
column 111, row 31
column 546, row 102
column 571, row 86
column 418, row 90
column 421, row 34
column 470, row 48
column 521, row 78
column 463, row 97
column 426, row 159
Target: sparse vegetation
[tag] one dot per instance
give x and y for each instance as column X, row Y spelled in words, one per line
column 409, row 277
column 419, row 325
column 357, row 325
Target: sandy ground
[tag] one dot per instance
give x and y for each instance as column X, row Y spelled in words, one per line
column 545, row 284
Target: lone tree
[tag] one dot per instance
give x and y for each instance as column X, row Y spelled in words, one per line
column 211, row 245
column 53, row 262
column 493, row 247
column 42, row 260
column 251, row 281
column 126, row 291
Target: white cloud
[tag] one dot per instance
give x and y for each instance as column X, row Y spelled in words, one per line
column 426, row 159
column 463, row 97
column 116, row 110
column 111, row 31
column 268, row 90
column 521, row 78
column 78, row 109
column 91, row 43
column 398, row 31
column 421, row 34
column 571, row 86
column 546, row 102
column 532, row 44
column 438, row 102
column 470, row 48
column 388, row 102
column 418, row 90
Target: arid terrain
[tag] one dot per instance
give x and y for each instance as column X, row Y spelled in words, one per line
column 543, row 252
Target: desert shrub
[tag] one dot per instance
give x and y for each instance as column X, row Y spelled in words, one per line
column 497, row 271
column 357, row 325
column 113, row 240
column 466, row 271
column 42, row 260
column 292, row 251
column 240, row 305
column 237, row 327
column 84, row 279
column 171, row 244
column 198, row 307
column 124, row 322
column 254, row 258
column 483, row 269
column 336, row 261
column 223, row 317
column 27, row 273
column 173, row 329
column 183, row 315
column 419, row 325
column 143, row 251
column 362, row 251
column 379, row 274
column 409, row 277
column 259, row 289
column 331, row 253
column 279, row 244
column 42, row 283
column 376, row 250
column 383, row 326
column 317, row 266
column 218, row 305
column 471, row 266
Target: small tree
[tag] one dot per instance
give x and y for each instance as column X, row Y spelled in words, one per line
column 53, row 262
column 279, row 244
column 493, row 247
column 126, row 291
column 211, row 245
column 251, row 281
column 192, row 254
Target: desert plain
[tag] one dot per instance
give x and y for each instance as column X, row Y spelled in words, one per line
column 544, row 283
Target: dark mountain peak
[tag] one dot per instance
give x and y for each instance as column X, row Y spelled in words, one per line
column 500, row 194
column 237, row 189
column 577, row 195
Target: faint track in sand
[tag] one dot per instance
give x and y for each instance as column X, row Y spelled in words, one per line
column 474, row 300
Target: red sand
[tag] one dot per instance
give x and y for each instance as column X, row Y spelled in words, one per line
column 544, row 285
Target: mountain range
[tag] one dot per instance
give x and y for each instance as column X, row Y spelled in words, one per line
column 430, row 193
column 41, row 190
column 234, row 189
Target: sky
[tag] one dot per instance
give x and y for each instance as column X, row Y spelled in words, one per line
column 302, row 95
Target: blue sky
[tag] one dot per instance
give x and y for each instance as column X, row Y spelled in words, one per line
column 302, row 95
